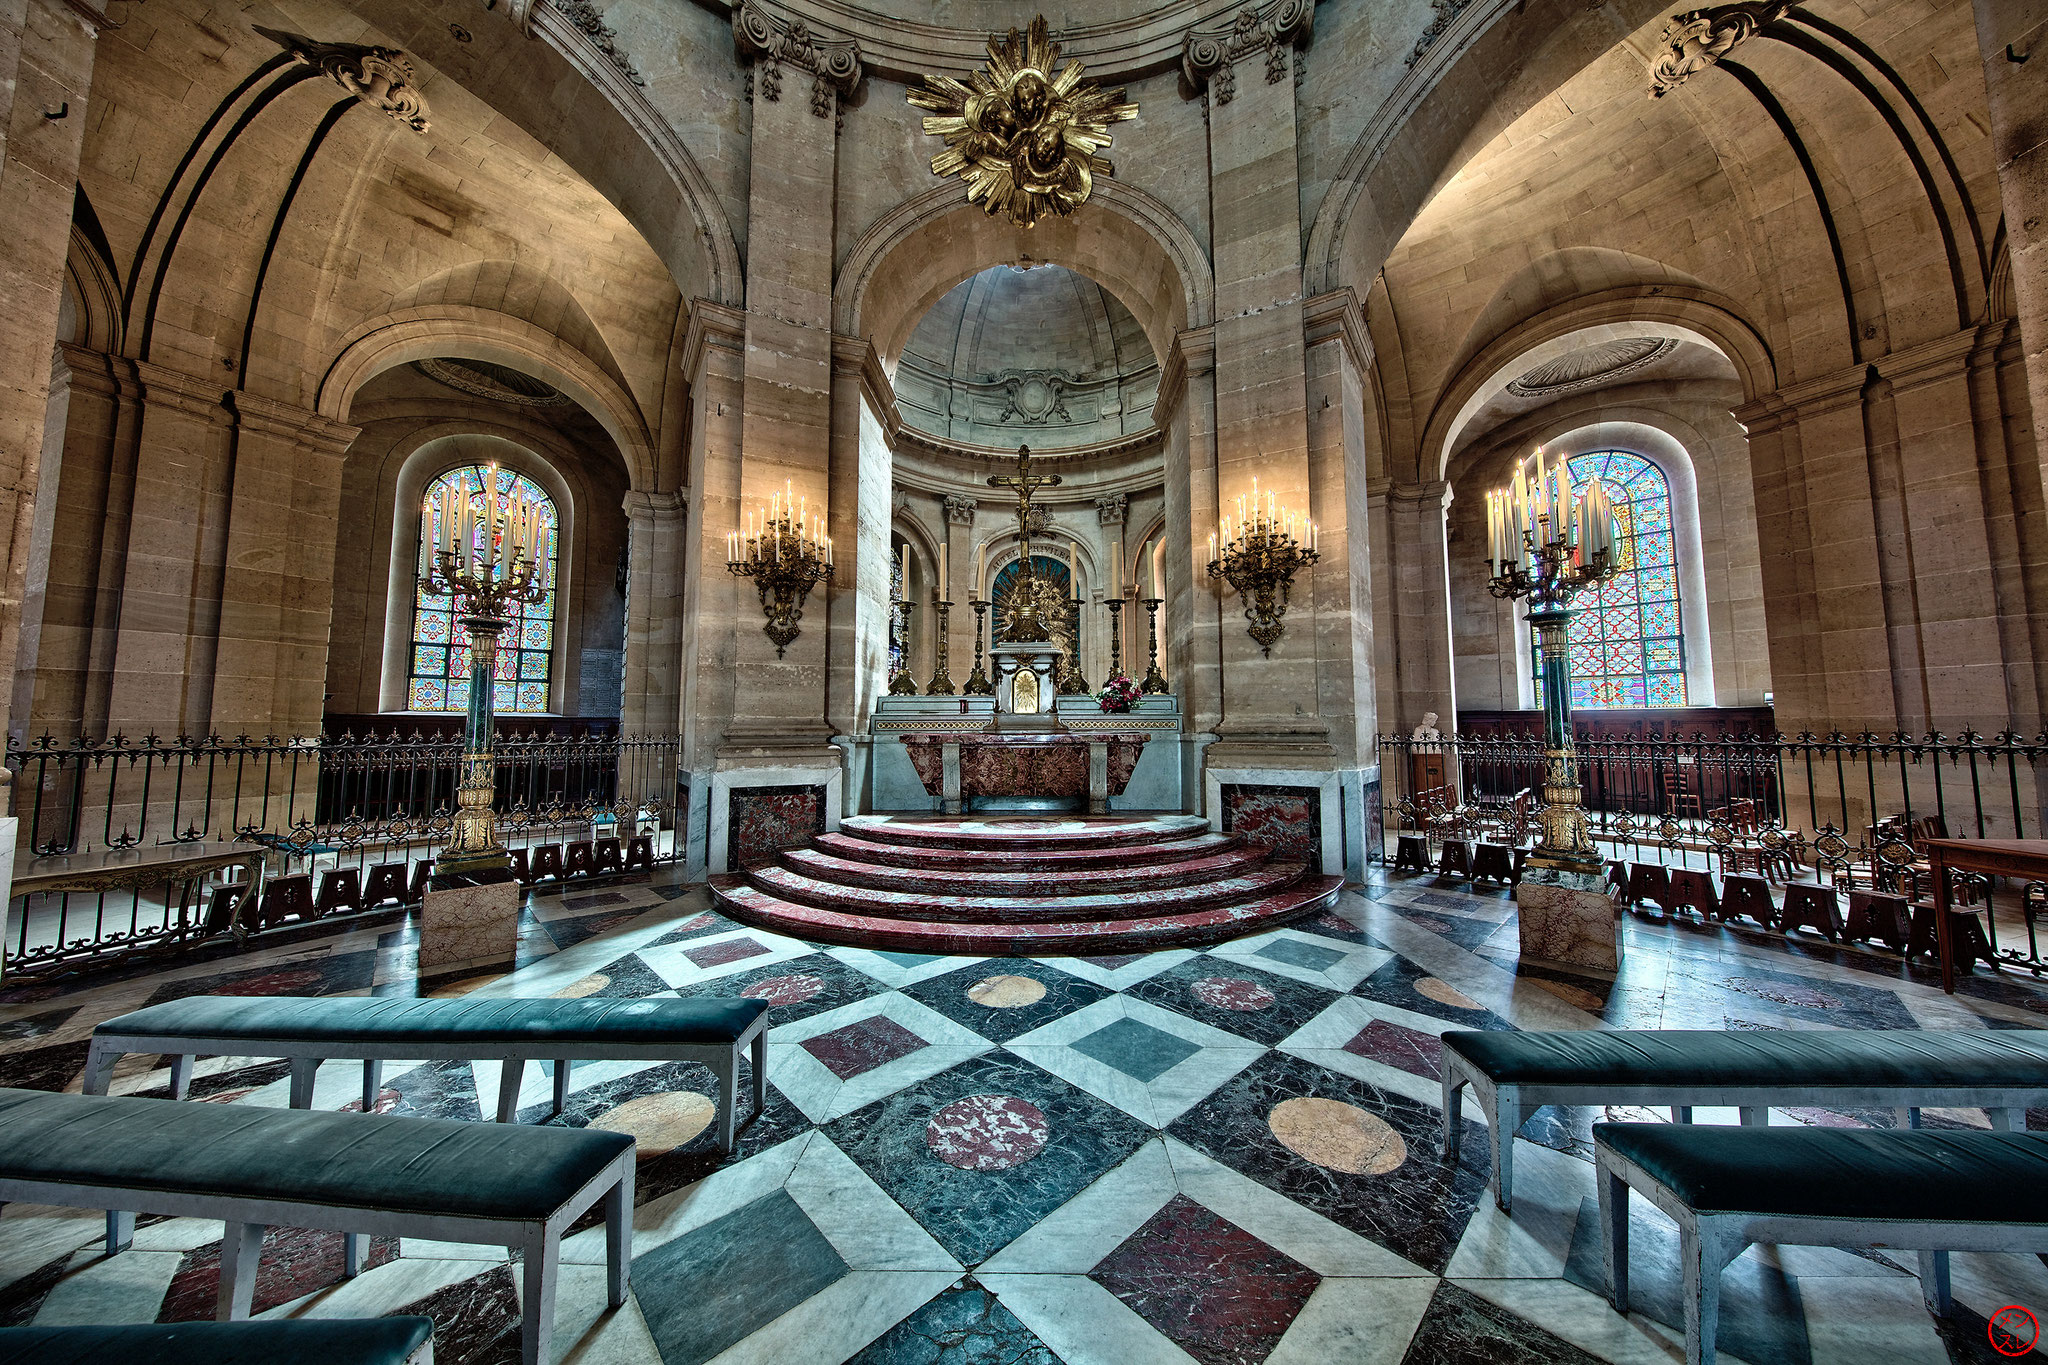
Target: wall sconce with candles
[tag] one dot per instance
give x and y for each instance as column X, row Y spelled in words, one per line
column 486, row 558
column 1548, row 546
column 785, row 550
column 1261, row 551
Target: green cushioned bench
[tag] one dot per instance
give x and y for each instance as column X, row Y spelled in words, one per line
column 1728, row 1188
column 331, row 1341
column 498, row 1184
column 310, row 1029
column 1513, row 1073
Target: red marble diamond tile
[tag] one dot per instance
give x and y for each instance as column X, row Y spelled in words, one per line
column 718, row 954
column 1207, row 1285
column 1409, row 1049
column 859, row 1048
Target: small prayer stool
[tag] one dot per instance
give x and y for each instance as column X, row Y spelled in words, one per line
column 387, row 883
column 421, row 870
column 1617, row 880
column 340, row 889
column 1492, row 861
column 607, row 857
column 220, row 907
column 1809, row 905
column 547, row 862
column 1648, row 881
column 520, row 872
column 286, row 896
column 640, row 852
column 1412, row 855
column 579, row 858
column 1456, row 858
column 1749, row 896
column 1694, row 891
column 1879, row 915
column 1966, row 936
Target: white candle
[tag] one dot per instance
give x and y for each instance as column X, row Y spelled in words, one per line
column 1155, row 576
column 906, row 571
column 981, row 571
column 1116, row 568
column 940, row 588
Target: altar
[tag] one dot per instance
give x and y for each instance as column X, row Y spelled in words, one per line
column 992, row 770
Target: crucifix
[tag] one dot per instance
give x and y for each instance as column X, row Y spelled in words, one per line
column 1025, row 621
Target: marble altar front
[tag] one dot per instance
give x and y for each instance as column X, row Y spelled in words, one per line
column 1077, row 766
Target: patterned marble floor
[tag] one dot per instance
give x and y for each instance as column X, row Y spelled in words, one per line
column 1226, row 1157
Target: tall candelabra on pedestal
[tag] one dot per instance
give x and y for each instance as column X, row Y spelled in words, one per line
column 901, row 684
column 1072, row 681
column 1116, row 636
column 978, row 684
column 941, row 684
column 1155, row 681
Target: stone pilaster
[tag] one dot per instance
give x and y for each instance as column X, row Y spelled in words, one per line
column 960, row 535
column 1186, row 409
column 1339, row 356
column 1420, row 602
column 863, row 409
column 656, row 525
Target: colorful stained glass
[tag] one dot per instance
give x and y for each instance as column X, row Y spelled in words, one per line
column 1628, row 644
column 440, row 655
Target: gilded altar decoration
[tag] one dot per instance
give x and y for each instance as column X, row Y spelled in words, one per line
column 1696, row 40
column 1024, row 138
column 381, row 77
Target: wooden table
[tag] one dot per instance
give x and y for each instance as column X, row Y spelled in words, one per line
column 2023, row 858
column 134, row 869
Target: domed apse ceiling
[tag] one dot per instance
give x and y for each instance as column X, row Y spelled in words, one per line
column 1616, row 363
column 1043, row 357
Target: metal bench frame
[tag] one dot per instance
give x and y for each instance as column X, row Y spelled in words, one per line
column 539, row 1240
column 1508, row 1106
column 305, row 1056
column 1709, row 1242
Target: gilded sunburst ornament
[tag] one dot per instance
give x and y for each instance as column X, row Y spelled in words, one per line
column 1023, row 138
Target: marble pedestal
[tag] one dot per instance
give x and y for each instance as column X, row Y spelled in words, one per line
column 469, row 924
column 1568, row 918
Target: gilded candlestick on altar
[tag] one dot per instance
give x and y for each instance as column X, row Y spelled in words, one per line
column 978, row 684
column 941, row 684
column 1155, row 681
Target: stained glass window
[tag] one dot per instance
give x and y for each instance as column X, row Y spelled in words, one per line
column 439, row 679
column 1627, row 642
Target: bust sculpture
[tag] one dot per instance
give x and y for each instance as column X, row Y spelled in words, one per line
column 1427, row 731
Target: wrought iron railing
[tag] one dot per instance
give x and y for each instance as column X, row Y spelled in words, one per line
column 317, row 804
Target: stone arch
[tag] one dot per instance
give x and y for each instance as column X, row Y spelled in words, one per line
column 1125, row 240
column 466, row 332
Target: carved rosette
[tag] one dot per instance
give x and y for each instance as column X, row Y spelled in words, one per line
column 1696, row 40
column 1208, row 56
column 770, row 41
column 381, row 77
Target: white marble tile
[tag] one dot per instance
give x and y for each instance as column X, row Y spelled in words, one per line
column 1550, row 1191
column 1856, row 1321
column 1357, row 963
column 177, row 1234
column 1164, row 1098
column 1587, row 1321
column 1086, row 1228
column 839, row 1320
column 380, row 1290
column 822, row 1095
column 1282, row 1224
column 1083, row 1323
column 685, row 1210
column 1146, row 966
column 588, row 1331
column 672, row 964
column 100, row 1288
column 898, row 974
column 33, row 1235
column 1321, row 1040
column 868, row 1229
column 1358, row 1322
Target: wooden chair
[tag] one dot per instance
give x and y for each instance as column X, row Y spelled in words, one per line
column 1493, row 862
column 640, row 853
column 547, row 861
column 606, row 857
column 285, row 898
column 1677, row 800
column 1455, row 859
column 580, row 859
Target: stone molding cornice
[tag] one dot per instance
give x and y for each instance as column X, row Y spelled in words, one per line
column 302, row 426
column 163, row 387
column 1209, row 56
column 712, row 325
column 769, row 37
column 1697, row 39
column 857, row 356
column 1142, row 443
column 1429, row 493
column 1193, row 353
column 1337, row 316
column 110, row 376
column 1928, row 362
column 655, row 506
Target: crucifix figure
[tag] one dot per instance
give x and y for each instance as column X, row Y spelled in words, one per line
column 1025, row 623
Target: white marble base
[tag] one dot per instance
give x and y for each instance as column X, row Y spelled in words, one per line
column 1568, row 917
column 469, row 924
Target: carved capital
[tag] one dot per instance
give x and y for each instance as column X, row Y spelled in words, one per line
column 960, row 510
column 1112, row 510
column 1208, row 56
column 380, row 77
column 1695, row 40
column 770, row 40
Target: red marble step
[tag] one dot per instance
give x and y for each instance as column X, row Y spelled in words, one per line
column 1016, row 834
column 1014, row 881
column 1081, row 938
column 850, row 846
column 1054, row 904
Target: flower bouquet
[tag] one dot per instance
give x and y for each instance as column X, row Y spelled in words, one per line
column 1118, row 695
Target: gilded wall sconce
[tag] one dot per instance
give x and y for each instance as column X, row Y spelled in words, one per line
column 785, row 550
column 1262, row 548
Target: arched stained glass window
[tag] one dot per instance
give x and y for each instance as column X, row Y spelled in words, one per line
column 439, row 679
column 1627, row 641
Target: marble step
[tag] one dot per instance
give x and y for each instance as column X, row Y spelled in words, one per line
column 1005, row 878
column 1188, row 929
column 1019, row 834
column 873, row 852
column 1052, row 904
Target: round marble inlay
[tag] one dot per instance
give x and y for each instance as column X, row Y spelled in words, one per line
column 450, row 989
column 1338, row 1136
column 660, row 1123
column 987, row 1132
column 1572, row 995
column 1231, row 993
column 785, row 990
column 1006, row 992
column 1444, row 993
column 584, row 985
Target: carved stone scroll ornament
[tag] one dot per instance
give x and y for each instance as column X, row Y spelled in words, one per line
column 1033, row 396
column 1447, row 12
column 1695, row 40
column 1208, row 56
column 380, row 77
column 770, row 41
column 589, row 21
column 960, row 510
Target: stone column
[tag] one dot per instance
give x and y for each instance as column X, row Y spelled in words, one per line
column 857, row 656
column 2013, row 35
column 655, row 523
column 959, row 589
column 1420, row 598
column 46, row 58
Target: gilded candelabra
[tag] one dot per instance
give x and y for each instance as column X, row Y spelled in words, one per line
column 1155, row 681
column 487, row 559
column 901, row 684
column 1072, row 681
column 977, row 684
column 1116, row 636
column 941, row 684
column 1262, row 549
column 785, row 551
column 1547, row 546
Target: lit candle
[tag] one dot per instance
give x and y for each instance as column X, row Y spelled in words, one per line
column 939, row 589
column 981, row 571
column 1155, row 575
column 1212, row 545
column 426, row 545
column 906, row 571
column 1116, row 568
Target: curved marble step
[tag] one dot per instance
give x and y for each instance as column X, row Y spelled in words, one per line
column 1012, row 881
column 848, row 846
column 753, row 906
column 795, row 887
column 1019, row 834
